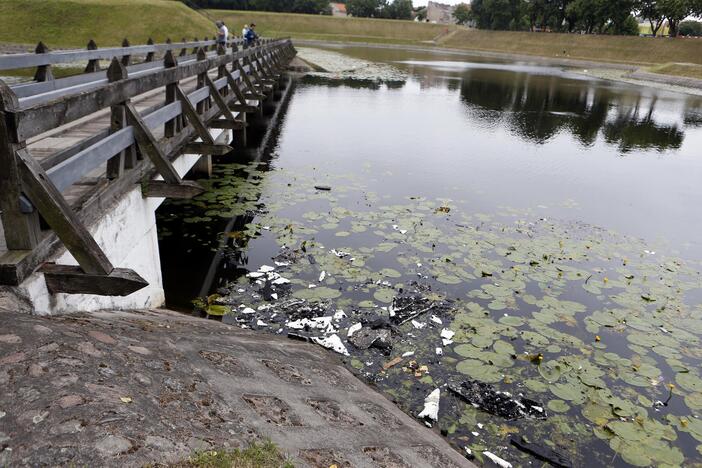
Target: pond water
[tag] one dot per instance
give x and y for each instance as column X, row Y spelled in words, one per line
column 515, row 225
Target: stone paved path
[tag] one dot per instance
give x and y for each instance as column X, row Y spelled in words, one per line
column 129, row 388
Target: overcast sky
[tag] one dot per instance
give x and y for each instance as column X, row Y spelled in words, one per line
column 448, row 2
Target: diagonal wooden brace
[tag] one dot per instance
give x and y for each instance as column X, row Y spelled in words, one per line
column 219, row 100
column 249, row 85
column 243, row 104
column 270, row 74
column 149, row 146
column 259, row 81
column 193, row 116
column 53, row 207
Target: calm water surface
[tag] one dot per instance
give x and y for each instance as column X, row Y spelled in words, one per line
column 551, row 219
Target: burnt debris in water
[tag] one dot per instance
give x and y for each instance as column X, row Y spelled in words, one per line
column 503, row 404
column 542, row 453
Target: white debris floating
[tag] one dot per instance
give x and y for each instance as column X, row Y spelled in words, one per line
column 320, row 323
column 497, row 460
column 431, row 406
column 339, row 314
column 439, row 351
column 353, row 329
column 418, row 325
column 322, row 275
column 447, row 336
column 436, row 320
column 408, row 354
column 332, row 342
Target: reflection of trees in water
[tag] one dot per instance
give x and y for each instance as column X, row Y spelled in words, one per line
column 316, row 80
column 693, row 116
column 539, row 107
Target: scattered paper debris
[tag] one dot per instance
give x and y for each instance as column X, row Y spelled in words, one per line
column 431, row 406
column 353, row 329
column 332, row 342
column 339, row 314
column 497, row 460
column 408, row 354
column 447, row 336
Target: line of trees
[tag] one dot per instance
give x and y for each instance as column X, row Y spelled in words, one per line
column 393, row 9
column 283, row 6
column 588, row 16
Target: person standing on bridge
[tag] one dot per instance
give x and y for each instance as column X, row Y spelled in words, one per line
column 222, row 33
column 244, row 32
column 251, row 35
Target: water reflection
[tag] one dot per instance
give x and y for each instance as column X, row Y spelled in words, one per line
column 536, row 103
column 537, row 108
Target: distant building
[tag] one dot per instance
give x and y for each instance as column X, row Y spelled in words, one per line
column 440, row 13
column 338, row 9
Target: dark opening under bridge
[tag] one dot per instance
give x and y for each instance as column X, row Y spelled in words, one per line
column 86, row 159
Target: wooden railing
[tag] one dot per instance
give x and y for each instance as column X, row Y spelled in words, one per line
column 228, row 82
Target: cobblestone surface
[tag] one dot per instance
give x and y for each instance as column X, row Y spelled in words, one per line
column 130, row 388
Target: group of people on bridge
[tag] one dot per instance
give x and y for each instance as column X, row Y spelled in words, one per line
column 248, row 33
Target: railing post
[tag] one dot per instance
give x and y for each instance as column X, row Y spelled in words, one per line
column 93, row 64
column 184, row 50
column 196, row 48
column 202, row 106
column 43, row 72
column 173, row 126
column 149, row 55
column 118, row 120
column 22, row 230
column 126, row 59
column 222, row 50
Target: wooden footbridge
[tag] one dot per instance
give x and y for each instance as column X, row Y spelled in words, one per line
column 71, row 148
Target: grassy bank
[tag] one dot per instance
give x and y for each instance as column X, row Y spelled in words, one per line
column 72, row 23
column 679, row 69
column 333, row 28
column 619, row 49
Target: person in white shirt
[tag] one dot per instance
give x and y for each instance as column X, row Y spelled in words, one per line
column 244, row 31
column 222, row 33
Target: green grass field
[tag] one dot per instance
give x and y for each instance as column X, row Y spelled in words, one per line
column 332, row 28
column 620, row 49
column 72, row 23
column 687, row 70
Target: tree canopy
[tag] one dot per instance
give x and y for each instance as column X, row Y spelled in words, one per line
column 588, row 16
